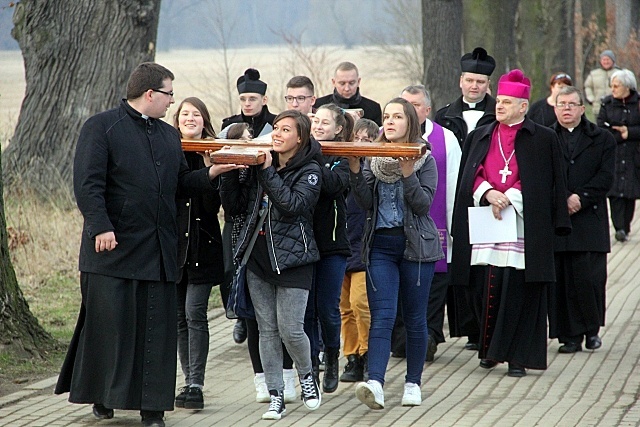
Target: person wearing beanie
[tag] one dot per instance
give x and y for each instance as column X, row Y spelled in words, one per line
column 511, row 166
column 253, row 103
column 596, row 86
column 474, row 108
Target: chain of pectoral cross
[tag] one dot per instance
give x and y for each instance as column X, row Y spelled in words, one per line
column 505, row 171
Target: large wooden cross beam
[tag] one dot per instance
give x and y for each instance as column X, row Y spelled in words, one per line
column 240, row 148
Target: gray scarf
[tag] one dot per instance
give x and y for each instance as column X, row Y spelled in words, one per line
column 387, row 169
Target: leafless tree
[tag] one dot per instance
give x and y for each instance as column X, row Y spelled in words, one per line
column 402, row 52
column 77, row 63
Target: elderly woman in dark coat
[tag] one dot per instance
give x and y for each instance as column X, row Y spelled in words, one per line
column 620, row 114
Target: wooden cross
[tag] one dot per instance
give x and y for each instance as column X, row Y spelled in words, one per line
column 505, row 172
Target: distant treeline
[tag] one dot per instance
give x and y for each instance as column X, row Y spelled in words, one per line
column 208, row 24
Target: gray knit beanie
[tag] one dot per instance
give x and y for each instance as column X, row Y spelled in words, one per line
column 608, row 53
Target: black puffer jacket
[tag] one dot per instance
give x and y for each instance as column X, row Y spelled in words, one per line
column 618, row 112
column 293, row 193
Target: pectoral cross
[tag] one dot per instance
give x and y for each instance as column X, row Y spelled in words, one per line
column 505, row 172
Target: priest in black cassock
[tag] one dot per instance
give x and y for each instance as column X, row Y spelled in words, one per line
column 512, row 163
column 474, row 108
column 577, row 301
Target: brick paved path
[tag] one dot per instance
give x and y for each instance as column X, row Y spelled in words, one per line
column 588, row 388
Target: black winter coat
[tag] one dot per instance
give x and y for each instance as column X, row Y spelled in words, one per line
column 256, row 123
column 450, row 117
column 199, row 236
column 127, row 174
column 544, row 194
column 616, row 112
column 589, row 170
column 330, row 214
column 293, row 192
column 371, row 108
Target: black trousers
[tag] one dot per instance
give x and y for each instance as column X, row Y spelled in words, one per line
column 622, row 210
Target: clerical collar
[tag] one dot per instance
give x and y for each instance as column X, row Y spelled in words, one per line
column 144, row 116
column 514, row 124
column 473, row 105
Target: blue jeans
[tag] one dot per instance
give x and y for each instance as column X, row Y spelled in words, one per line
column 193, row 329
column 391, row 277
column 280, row 317
column 329, row 273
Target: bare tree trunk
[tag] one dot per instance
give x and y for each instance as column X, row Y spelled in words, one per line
column 20, row 333
column 442, row 49
column 504, row 19
column 78, row 55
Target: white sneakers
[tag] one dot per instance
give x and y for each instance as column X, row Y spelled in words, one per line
column 262, row 392
column 371, row 394
column 412, row 395
column 290, row 391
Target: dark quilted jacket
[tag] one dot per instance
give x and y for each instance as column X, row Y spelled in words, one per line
column 293, row 193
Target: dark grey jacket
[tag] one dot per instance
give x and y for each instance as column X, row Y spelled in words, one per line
column 423, row 243
column 293, row 192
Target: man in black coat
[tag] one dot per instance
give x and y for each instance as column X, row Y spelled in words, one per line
column 128, row 169
column 475, row 107
column 511, row 164
column 346, row 93
column 577, row 300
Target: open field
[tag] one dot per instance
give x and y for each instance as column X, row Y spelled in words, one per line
column 200, row 73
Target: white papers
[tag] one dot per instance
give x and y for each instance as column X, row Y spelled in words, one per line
column 484, row 228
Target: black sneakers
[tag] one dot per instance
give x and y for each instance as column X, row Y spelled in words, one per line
column 180, row 398
column 276, row 406
column 310, row 391
column 190, row 398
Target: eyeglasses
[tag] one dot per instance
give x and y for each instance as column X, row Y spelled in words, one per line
column 571, row 105
column 162, row 91
column 299, row 98
column 358, row 139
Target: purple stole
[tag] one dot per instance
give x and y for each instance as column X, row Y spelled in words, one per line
column 438, row 209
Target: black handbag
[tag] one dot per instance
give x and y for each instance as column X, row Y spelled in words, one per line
column 239, row 304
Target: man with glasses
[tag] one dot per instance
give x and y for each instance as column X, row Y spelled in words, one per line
column 128, row 168
column 577, row 309
column 346, row 93
column 253, row 103
column 300, row 94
